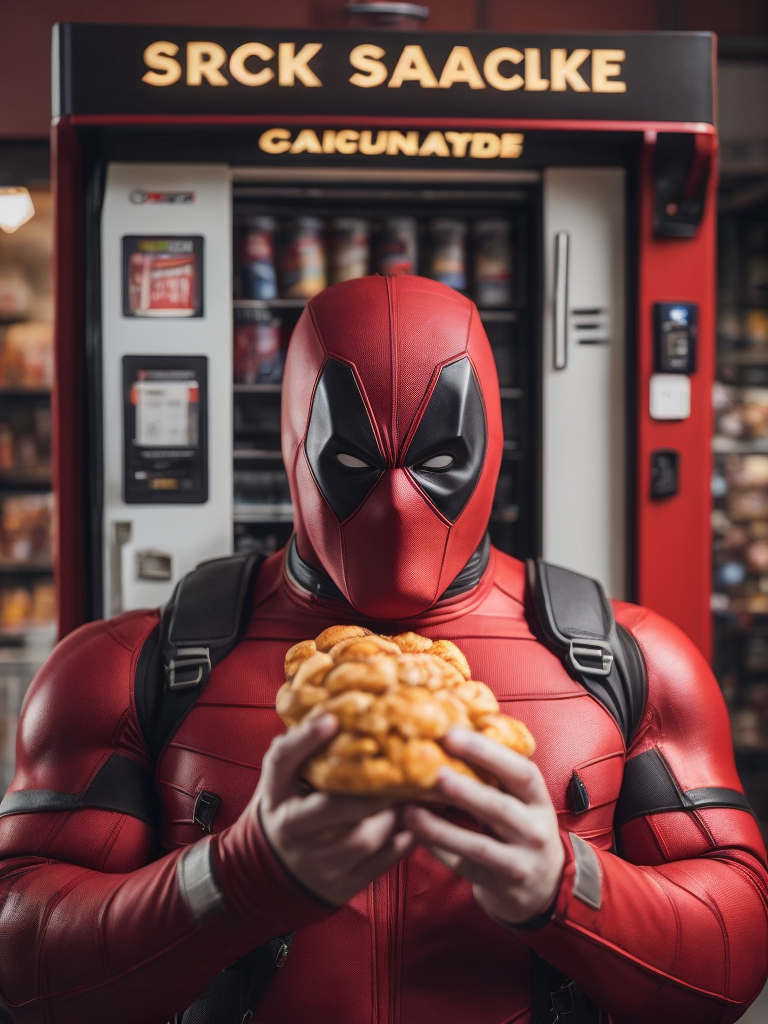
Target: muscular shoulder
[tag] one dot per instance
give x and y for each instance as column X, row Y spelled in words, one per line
column 82, row 700
column 685, row 714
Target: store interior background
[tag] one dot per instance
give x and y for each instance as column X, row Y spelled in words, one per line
column 740, row 444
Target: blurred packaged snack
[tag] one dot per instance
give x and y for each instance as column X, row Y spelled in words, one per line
column 15, row 293
column 255, row 256
column 262, row 538
column 757, row 556
column 754, row 412
column 261, row 487
column 43, row 611
column 492, row 262
column 26, row 355
column 748, row 503
column 25, row 528
column 350, row 249
column 448, row 258
column 729, row 327
column 15, row 609
column 747, row 470
column 396, row 249
column 301, row 264
column 257, row 357
column 756, row 327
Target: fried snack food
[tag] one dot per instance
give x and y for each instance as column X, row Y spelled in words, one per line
column 395, row 698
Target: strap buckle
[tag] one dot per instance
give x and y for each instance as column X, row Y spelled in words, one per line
column 562, row 1001
column 188, row 668
column 592, row 657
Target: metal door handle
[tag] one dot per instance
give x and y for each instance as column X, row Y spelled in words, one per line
column 560, row 318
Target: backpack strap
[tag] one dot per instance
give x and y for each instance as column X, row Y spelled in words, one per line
column 556, row 998
column 207, row 614
column 571, row 615
column 205, row 618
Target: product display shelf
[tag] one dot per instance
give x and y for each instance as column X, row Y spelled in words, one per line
column 27, row 608
column 301, row 242
column 740, row 485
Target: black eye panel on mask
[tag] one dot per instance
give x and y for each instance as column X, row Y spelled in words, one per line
column 339, row 423
column 453, row 424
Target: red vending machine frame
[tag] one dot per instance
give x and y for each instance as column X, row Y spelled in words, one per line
column 555, row 94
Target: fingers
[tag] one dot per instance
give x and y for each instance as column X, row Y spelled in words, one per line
column 516, row 774
column 398, row 846
column 507, row 816
column 456, row 844
column 288, row 752
column 326, row 812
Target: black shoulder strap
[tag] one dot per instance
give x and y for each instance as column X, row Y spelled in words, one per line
column 570, row 614
column 204, row 619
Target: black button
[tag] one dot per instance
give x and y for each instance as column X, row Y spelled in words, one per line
column 665, row 473
column 206, row 806
column 578, row 797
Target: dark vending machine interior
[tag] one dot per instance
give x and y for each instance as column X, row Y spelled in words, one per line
column 291, row 241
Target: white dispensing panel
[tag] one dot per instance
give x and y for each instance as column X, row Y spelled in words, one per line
column 584, row 368
column 166, row 276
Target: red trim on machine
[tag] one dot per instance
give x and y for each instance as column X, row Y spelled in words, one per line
column 674, row 542
column 67, row 401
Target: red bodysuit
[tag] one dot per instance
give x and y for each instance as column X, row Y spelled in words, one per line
column 95, row 924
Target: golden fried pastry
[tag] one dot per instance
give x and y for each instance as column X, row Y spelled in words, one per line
column 395, row 698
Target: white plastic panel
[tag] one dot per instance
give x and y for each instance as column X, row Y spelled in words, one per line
column 181, row 535
column 584, row 472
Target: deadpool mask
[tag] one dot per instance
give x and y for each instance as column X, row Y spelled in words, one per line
column 392, row 439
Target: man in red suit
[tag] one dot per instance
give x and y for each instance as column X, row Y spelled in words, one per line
column 633, row 866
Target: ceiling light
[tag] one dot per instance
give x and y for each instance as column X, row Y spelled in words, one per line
column 15, row 208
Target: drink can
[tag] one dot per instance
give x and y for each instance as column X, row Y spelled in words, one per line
column 448, row 256
column 397, row 247
column 351, row 252
column 256, row 252
column 301, row 258
column 493, row 262
column 257, row 356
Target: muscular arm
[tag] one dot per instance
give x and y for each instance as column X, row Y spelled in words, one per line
column 91, row 927
column 676, row 928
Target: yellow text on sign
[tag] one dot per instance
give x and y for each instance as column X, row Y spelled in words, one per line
column 503, row 68
column 387, row 142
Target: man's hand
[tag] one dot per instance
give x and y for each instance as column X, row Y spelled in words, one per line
column 333, row 845
column 515, row 870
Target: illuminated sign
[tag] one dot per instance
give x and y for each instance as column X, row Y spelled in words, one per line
column 388, row 142
column 254, row 64
column 178, row 71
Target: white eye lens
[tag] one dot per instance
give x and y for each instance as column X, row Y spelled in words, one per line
column 351, row 461
column 438, row 462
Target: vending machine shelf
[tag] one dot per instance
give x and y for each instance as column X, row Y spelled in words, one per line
column 28, row 393
column 743, row 357
column 269, row 303
column 265, row 513
column 12, row 568
column 733, row 446
column 498, row 316
column 242, row 454
column 257, row 389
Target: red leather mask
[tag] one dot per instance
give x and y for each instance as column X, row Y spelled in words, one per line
column 392, row 438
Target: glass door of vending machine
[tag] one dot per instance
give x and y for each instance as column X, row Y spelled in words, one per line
column 293, row 239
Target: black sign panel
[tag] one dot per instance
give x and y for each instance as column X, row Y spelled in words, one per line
column 144, row 70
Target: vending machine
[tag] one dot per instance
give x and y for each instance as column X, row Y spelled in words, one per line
column 209, row 182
